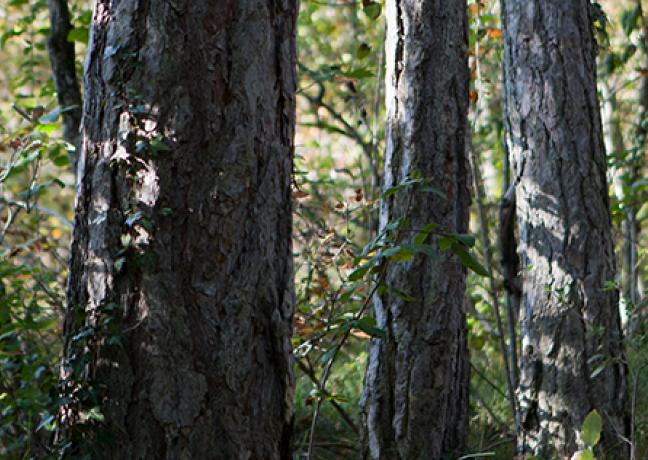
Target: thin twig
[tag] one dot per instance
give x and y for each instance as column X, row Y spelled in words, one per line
column 311, row 375
column 488, row 252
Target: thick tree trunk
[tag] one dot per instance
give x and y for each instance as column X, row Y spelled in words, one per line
column 180, row 289
column 569, row 313
column 415, row 400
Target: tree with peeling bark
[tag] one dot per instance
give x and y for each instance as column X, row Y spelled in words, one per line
column 572, row 354
column 416, row 386
column 180, row 294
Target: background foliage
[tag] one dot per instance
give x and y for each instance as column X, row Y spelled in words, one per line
column 337, row 188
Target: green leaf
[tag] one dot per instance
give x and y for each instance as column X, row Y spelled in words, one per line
column 392, row 191
column 358, row 73
column 467, row 240
column 407, row 182
column 158, row 145
column 359, row 272
column 426, row 249
column 363, row 51
column 468, row 260
column 401, row 255
column 423, row 234
column 372, row 10
column 61, row 161
column 446, row 242
column 367, row 325
column 42, row 325
column 430, row 189
column 591, row 430
column 79, row 34
column 326, row 357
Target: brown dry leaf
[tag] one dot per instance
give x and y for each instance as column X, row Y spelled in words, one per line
column 299, row 194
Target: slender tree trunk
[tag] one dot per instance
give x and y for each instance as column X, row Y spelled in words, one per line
column 180, row 291
column 631, row 223
column 415, row 400
column 61, row 54
column 622, row 176
column 569, row 311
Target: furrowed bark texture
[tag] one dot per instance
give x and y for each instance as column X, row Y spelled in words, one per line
column 415, row 401
column 183, row 230
column 61, row 54
column 569, row 316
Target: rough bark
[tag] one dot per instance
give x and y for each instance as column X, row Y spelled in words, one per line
column 415, row 400
column 569, row 314
column 182, row 233
column 61, row 54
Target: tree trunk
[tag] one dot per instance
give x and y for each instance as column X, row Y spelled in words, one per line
column 61, row 54
column 180, row 293
column 416, row 389
column 569, row 309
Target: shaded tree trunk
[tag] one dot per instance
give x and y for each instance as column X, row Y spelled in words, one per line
column 61, row 54
column 415, row 400
column 569, row 309
column 180, row 291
